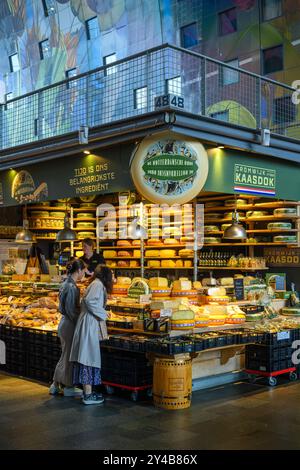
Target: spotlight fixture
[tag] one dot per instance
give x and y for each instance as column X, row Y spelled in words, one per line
column 66, row 234
column 87, row 152
column 25, row 236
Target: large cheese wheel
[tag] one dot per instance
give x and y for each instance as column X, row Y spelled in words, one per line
column 40, row 214
column 85, row 225
column 182, row 324
column 257, row 213
column 109, row 254
column 187, row 263
column 153, row 263
column 124, row 243
column 168, row 263
column 58, row 215
column 122, row 280
column 171, row 241
column 152, row 253
column 83, row 235
column 174, row 231
column 124, row 254
column 279, row 225
column 285, row 239
column 133, row 263
column 179, row 263
column 154, row 242
column 85, row 215
column 216, row 320
column 235, row 202
column 158, row 293
column 185, row 293
column 136, row 242
column 167, row 253
column 211, row 228
column 186, row 253
column 136, row 253
column 123, row 264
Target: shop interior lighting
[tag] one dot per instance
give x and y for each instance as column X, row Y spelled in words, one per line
column 66, row 234
column 25, row 236
column 235, row 231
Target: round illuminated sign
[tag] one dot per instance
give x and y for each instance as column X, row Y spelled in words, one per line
column 169, row 169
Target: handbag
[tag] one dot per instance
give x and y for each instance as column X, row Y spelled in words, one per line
column 103, row 330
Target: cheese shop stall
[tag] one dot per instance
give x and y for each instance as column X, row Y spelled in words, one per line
column 196, row 238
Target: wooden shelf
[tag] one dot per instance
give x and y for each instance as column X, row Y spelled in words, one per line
column 127, row 267
column 271, row 218
column 45, row 238
column 157, row 269
column 84, row 229
column 262, row 205
column 46, row 228
column 122, row 257
column 226, row 268
column 85, row 219
column 48, row 208
column 291, row 244
column 46, row 218
column 87, row 209
column 168, row 257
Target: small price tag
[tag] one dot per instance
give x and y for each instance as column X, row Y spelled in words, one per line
column 283, row 335
column 165, row 313
column 145, row 298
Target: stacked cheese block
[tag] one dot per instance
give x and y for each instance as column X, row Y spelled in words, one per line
column 159, row 288
column 120, row 288
column 124, row 249
column 183, row 288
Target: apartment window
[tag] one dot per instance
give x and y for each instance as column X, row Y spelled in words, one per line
column 174, row 86
column 271, row 9
column 189, row 35
column 284, row 110
column 221, row 115
column 110, row 59
column 230, row 76
column 140, row 98
column 227, row 22
column 45, row 50
column 92, row 28
column 49, row 7
column 14, row 63
column 273, row 59
column 8, row 97
column 69, row 74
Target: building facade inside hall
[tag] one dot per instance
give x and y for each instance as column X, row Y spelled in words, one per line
column 46, row 41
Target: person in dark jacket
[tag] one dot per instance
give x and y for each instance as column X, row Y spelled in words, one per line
column 90, row 257
column 69, row 307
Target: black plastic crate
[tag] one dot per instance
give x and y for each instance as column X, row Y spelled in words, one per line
column 42, row 336
column 40, row 374
column 281, row 339
column 16, row 332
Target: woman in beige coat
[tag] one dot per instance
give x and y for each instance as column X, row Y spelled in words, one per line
column 85, row 351
column 69, row 307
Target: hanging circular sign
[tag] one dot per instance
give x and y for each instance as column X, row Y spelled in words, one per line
column 169, row 169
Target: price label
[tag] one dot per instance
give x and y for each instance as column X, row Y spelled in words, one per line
column 165, row 313
column 283, row 335
column 145, row 299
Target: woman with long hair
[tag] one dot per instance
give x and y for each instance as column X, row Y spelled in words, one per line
column 90, row 329
column 69, row 307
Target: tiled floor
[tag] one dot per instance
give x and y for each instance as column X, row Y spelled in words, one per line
column 240, row 416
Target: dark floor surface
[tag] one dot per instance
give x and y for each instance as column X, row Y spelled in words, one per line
column 239, row 416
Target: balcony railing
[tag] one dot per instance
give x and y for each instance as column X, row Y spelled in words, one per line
column 128, row 88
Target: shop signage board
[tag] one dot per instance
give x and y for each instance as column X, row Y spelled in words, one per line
column 282, row 257
column 170, row 169
column 277, row 281
column 254, row 180
column 238, row 172
column 76, row 176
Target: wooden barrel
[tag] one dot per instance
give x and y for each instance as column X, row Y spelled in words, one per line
column 172, row 383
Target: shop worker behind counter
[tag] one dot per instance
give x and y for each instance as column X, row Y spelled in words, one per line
column 90, row 257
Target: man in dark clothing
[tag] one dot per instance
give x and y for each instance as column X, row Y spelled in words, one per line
column 90, row 257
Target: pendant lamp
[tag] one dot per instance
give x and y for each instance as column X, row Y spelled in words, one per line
column 235, row 231
column 25, row 236
column 66, row 234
